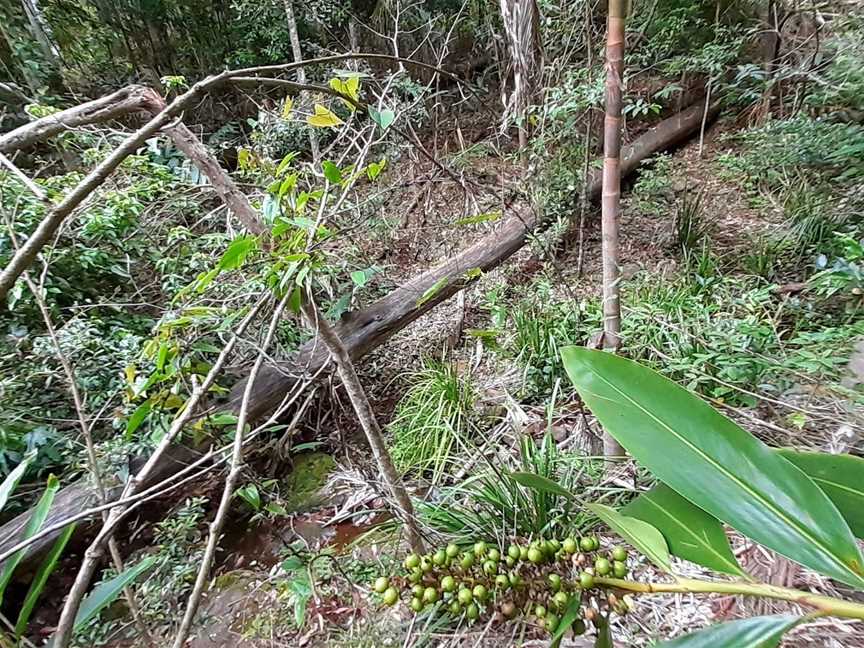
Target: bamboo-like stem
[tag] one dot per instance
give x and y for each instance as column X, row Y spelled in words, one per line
column 827, row 605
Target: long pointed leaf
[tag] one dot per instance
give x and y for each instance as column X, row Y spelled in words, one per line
column 105, row 593
column 541, row 484
column 715, row 464
column 37, row 519
column 573, row 612
column 758, row 632
column 643, row 536
column 841, row 477
column 11, row 481
column 690, row 532
column 45, row 570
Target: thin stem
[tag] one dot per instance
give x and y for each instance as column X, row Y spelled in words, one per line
column 824, row 604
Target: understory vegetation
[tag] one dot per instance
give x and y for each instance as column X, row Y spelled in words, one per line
column 309, row 338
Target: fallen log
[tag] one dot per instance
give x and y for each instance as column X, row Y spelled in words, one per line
column 367, row 329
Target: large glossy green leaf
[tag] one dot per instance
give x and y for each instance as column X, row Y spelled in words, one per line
column 690, row 532
column 715, row 464
column 105, row 593
column 38, row 583
column 641, row 535
column 758, row 632
column 37, row 519
column 841, row 477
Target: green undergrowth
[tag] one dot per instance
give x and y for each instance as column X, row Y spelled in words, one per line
column 434, row 419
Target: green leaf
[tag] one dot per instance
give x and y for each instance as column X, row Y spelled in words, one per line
column 323, row 118
column 841, row 478
column 250, row 495
column 644, row 537
column 137, row 418
column 359, row 278
column 540, row 483
column 285, row 163
column 432, row 291
column 382, row 117
column 715, row 464
column 45, row 570
column 331, row 172
column 480, row 218
column 572, row 613
column 689, row 531
column 37, row 519
column 105, row 593
column 604, row 634
column 237, row 252
column 9, row 484
column 758, row 632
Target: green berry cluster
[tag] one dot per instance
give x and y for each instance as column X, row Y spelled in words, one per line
column 536, row 579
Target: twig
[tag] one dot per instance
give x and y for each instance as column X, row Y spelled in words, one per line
column 35, row 189
column 236, row 467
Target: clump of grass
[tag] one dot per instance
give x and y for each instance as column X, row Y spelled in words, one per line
column 541, row 326
column 494, row 505
column 433, row 416
column 689, row 224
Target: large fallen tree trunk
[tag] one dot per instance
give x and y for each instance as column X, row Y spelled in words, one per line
column 370, row 327
column 366, row 329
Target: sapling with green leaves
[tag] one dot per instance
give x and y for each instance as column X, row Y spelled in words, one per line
column 712, row 474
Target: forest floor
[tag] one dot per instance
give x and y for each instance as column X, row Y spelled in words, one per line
column 253, row 601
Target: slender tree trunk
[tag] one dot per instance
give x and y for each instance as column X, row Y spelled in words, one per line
column 42, row 33
column 521, row 20
column 291, row 19
column 611, row 201
column 366, row 417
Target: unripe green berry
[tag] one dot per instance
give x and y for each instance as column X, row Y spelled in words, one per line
column 452, row 550
column 412, row 561
column 381, row 584
column 502, row 581
column 490, row 568
column 417, row 590
column 560, row 600
column 535, row 555
column 619, row 569
column 455, row 608
column 480, row 593
column 479, row 548
column 586, row 580
column 554, row 582
column 430, row 595
column 494, row 555
column 619, row 554
column 602, row 566
column 467, row 561
column 513, row 551
column 515, row 579
column 509, row 561
column 416, row 605
column 586, row 544
column 539, row 611
column 391, row 596
column 551, row 622
column 425, row 565
column 439, row 557
column 472, row 611
column 415, row 575
column 523, row 553
column 465, row 596
column 448, row 584
column 595, row 543
column 554, row 546
column 570, row 545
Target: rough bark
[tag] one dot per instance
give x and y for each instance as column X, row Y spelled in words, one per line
column 366, row 329
column 611, row 200
column 521, row 19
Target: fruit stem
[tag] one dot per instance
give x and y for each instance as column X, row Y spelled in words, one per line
column 826, row 605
